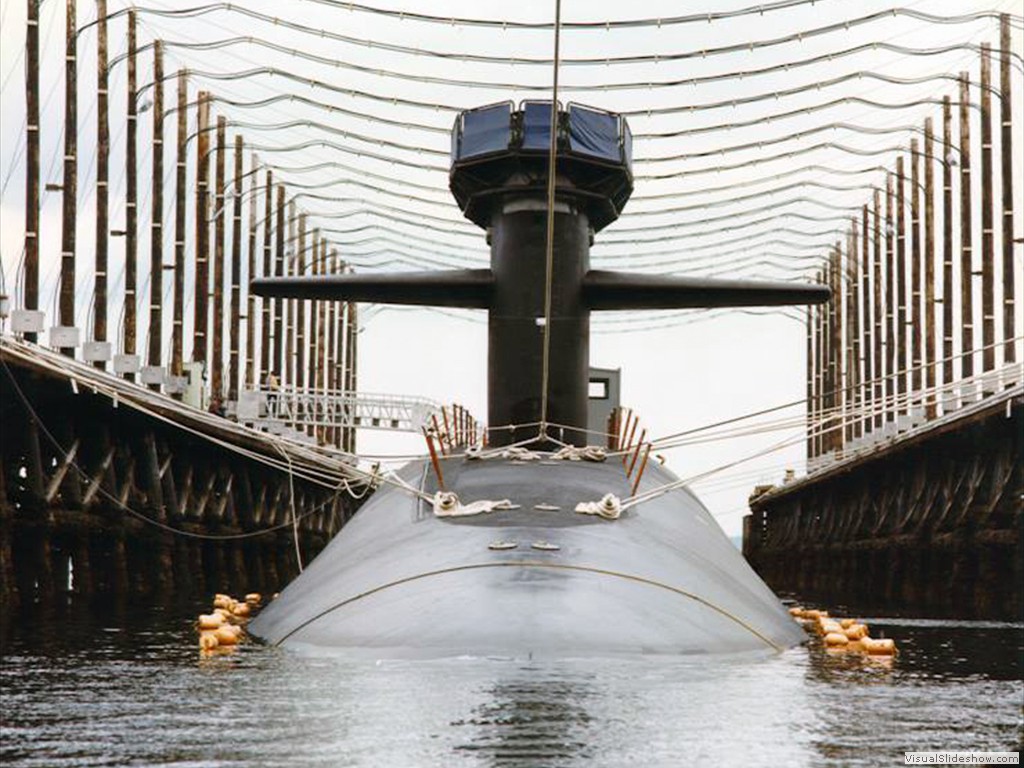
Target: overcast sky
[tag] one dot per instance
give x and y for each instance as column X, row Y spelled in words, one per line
column 680, row 370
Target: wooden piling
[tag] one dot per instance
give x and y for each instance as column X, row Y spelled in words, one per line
column 321, row 316
column 929, row 269
column 852, row 335
column 330, row 433
column 30, row 286
column 234, row 326
column 301, row 265
column 278, row 332
column 156, row 231
column 201, row 307
column 890, row 306
column 131, row 220
column 69, row 216
column 251, row 377
column 313, row 345
column 901, row 289
column 947, row 242
column 878, row 371
column 339, row 350
column 350, row 367
column 99, row 316
column 966, row 248
column 1006, row 176
column 821, row 359
column 266, row 305
column 838, row 353
column 290, row 304
column 217, row 350
column 916, row 319
column 180, row 205
column 810, row 381
column 988, row 260
column 867, row 332
column 318, row 340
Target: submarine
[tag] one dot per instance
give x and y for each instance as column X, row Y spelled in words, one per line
column 535, row 545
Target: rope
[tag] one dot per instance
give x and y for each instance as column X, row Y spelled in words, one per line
column 550, row 246
column 291, row 504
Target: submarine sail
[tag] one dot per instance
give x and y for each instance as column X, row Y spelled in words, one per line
column 499, row 561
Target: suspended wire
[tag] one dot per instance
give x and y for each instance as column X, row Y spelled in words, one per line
column 336, row 63
column 606, row 25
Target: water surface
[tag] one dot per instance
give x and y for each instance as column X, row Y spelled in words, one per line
column 126, row 686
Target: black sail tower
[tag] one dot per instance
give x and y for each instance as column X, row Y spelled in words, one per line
column 499, row 177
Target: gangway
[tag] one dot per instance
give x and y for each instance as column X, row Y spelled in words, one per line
column 275, row 410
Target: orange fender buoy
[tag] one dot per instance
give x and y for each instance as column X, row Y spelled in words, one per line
column 836, row 639
column 881, row 647
column 856, row 631
column 225, row 636
column 210, row 620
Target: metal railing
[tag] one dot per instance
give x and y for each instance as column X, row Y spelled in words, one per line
column 298, row 408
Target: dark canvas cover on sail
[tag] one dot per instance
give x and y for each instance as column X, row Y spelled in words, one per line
column 485, row 130
column 537, row 125
column 594, row 134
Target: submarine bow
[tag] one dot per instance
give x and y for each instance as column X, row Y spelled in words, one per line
column 537, row 578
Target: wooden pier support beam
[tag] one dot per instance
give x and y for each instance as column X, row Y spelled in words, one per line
column 988, row 260
column 278, row 357
column 890, row 306
column 901, row 290
column 217, row 350
column 350, row 368
column 131, row 220
column 331, row 436
column 878, row 313
column 836, row 359
column 916, row 289
column 30, row 284
column 1006, row 177
column 867, row 326
column 299, row 349
column 202, row 307
column 156, row 241
column 180, row 204
column 810, row 407
column 99, row 316
column 234, row 328
column 821, row 359
column 929, row 269
column 266, row 305
column 321, row 328
column 947, row 244
column 966, row 246
column 290, row 305
column 251, row 375
column 69, row 218
column 852, row 335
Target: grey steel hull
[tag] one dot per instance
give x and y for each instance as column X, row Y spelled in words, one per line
column 398, row 582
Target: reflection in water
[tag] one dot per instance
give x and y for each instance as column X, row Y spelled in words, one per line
column 524, row 722
column 119, row 685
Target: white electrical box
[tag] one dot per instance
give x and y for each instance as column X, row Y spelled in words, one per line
column 126, row 364
column 248, row 408
column 28, row 320
column 152, row 374
column 96, row 351
column 64, row 336
column 175, row 385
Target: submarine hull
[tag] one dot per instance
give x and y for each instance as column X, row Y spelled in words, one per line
column 528, row 582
